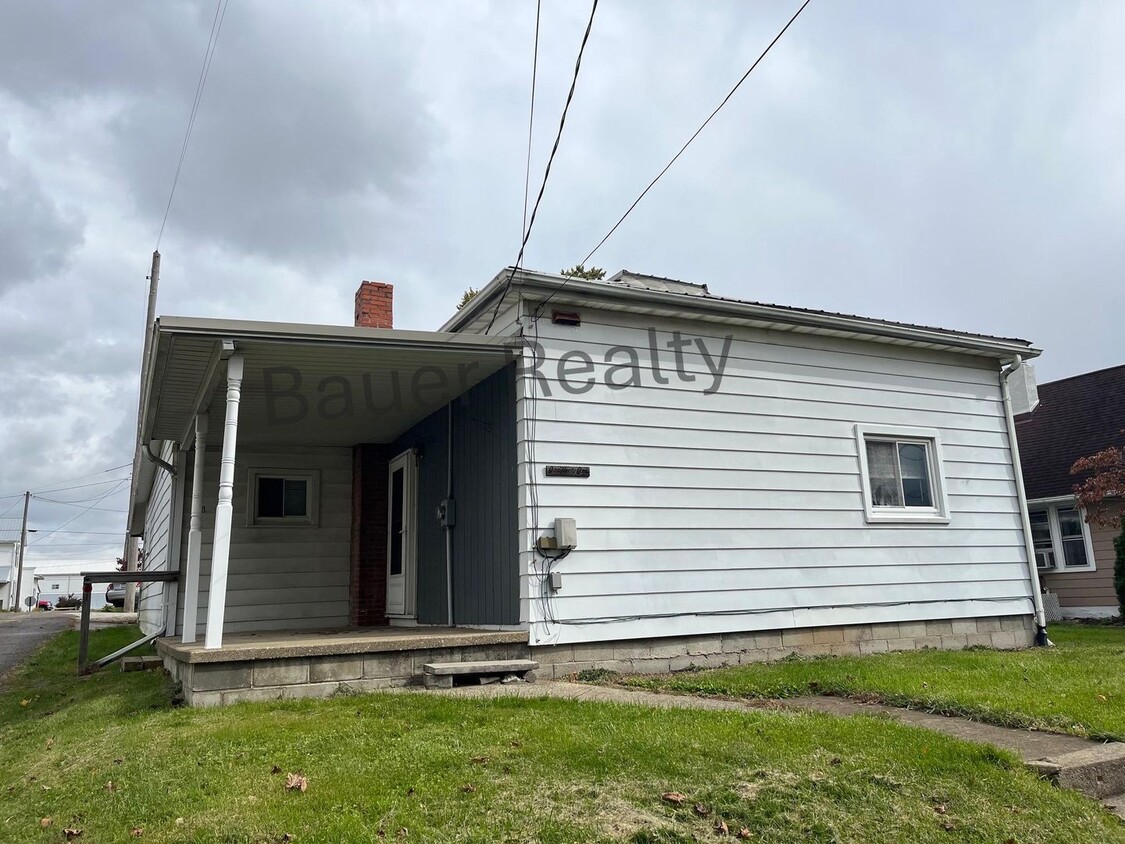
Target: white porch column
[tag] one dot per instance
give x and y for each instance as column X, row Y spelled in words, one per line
column 220, row 546
column 195, row 532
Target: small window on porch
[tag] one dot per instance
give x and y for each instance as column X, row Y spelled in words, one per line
column 280, row 497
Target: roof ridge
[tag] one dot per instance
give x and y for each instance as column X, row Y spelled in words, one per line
column 1081, row 375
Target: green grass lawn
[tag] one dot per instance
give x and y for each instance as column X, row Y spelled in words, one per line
column 1077, row 687
column 427, row 768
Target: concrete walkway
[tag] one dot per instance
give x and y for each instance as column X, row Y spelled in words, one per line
column 1094, row 768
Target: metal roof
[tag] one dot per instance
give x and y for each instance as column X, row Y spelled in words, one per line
column 638, row 293
column 10, row 530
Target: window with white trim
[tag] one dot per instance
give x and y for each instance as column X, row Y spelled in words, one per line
column 1061, row 537
column 901, row 474
column 282, row 497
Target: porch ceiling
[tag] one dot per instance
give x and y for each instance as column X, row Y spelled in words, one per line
column 311, row 385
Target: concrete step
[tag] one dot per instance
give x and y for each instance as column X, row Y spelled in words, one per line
column 439, row 675
column 141, row 663
column 1097, row 772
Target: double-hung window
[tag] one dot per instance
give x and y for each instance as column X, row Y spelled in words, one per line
column 901, row 474
column 1060, row 536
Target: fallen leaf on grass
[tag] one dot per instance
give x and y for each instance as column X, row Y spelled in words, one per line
column 468, row 788
column 745, row 833
column 137, row 832
column 286, row 838
column 45, row 822
column 479, row 760
column 70, row 833
column 948, row 826
column 403, row 832
column 701, row 810
column 673, row 797
column 1102, row 698
column 50, row 742
column 941, row 808
column 24, row 702
column 179, row 821
column 721, row 828
column 276, row 769
column 110, row 787
column 296, row 782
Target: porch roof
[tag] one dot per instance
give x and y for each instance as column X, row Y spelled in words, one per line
column 311, row 384
column 303, row 385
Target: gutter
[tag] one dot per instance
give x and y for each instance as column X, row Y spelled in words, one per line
column 1041, row 639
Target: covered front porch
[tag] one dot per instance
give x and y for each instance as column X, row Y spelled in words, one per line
column 284, row 665
column 340, row 502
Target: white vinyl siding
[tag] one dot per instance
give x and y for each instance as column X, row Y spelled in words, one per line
column 283, row 577
column 158, row 540
column 744, row 509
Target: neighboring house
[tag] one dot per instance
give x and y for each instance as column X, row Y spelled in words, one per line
column 10, row 534
column 1076, row 417
column 55, row 585
column 630, row 473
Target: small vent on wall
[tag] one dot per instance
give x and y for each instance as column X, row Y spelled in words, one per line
column 566, row 318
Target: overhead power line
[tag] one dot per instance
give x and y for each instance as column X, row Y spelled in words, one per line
column 77, row 486
column 43, row 536
column 75, row 478
column 695, row 134
column 204, row 71
column 547, row 170
column 531, row 116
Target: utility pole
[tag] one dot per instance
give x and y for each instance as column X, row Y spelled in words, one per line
column 17, row 602
column 131, row 541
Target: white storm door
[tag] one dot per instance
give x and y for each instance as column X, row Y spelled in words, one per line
column 401, row 522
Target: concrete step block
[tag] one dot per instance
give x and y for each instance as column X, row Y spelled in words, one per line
column 141, row 663
column 496, row 666
column 1098, row 772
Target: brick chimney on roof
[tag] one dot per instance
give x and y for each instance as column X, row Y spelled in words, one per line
column 374, row 305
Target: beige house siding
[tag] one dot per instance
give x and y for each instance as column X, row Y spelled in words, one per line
column 1087, row 588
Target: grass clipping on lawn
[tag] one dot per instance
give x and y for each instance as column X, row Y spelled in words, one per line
column 430, row 768
column 1076, row 687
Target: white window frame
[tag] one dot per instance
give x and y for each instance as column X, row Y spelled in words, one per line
column 1052, row 506
column 939, row 513
column 312, row 498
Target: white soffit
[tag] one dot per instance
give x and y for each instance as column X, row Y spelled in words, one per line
column 312, row 385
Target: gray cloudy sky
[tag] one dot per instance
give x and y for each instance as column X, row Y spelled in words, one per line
column 951, row 163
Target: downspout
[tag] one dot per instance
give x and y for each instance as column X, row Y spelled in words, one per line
column 1036, row 594
column 167, row 467
column 448, row 520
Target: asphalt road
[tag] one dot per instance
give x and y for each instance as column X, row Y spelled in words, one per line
column 21, row 634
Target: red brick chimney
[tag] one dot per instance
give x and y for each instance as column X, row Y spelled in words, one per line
column 374, row 305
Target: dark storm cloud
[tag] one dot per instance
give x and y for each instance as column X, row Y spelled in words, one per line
column 36, row 235
column 313, row 127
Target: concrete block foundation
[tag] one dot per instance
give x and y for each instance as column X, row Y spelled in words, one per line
column 684, row 653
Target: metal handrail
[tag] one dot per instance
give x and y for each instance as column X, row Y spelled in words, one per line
column 88, row 581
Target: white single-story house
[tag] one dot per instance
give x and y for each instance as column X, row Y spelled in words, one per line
column 56, row 585
column 629, row 473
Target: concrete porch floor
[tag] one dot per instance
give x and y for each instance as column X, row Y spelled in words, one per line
column 288, row 644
